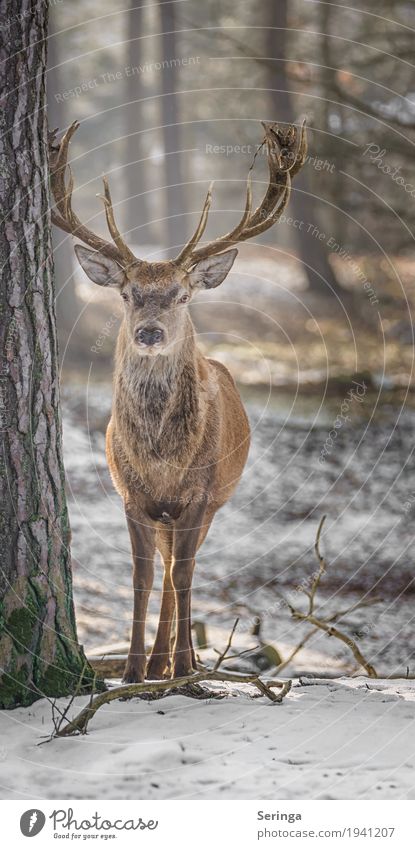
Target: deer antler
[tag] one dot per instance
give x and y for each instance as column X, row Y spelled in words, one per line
column 286, row 147
column 287, row 150
column 64, row 216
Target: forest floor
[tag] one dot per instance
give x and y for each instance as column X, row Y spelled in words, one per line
column 343, row 739
column 337, row 734
column 261, row 543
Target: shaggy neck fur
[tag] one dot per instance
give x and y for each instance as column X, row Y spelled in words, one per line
column 157, row 410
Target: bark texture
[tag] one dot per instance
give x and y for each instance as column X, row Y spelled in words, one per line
column 38, row 642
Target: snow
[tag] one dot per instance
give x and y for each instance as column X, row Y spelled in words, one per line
column 349, row 738
column 261, row 542
column 345, row 738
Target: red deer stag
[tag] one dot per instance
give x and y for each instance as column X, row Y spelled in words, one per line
column 178, row 438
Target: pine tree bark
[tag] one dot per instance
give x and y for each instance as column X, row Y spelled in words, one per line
column 39, row 650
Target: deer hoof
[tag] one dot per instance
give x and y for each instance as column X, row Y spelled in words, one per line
column 157, row 672
column 133, row 676
column 182, row 669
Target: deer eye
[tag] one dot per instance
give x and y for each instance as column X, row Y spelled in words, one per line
column 184, row 299
column 124, row 296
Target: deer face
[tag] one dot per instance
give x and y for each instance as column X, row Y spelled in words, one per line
column 155, row 294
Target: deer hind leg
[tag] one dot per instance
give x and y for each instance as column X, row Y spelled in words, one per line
column 159, row 663
column 143, row 549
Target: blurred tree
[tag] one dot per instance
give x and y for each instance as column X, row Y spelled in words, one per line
column 313, row 253
column 68, row 305
column 39, row 650
column 136, row 170
column 173, row 159
column 374, row 84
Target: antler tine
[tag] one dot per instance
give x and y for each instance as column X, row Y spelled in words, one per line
column 64, row 216
column 186, row 252
column 301, row 151
column 112, row 227
column 248, row 207
column 272, row 217
column 231, row 237
column 287, row 149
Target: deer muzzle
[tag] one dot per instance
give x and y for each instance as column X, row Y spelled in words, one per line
column 149, row 337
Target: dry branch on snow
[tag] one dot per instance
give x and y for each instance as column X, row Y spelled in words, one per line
column 80, row 723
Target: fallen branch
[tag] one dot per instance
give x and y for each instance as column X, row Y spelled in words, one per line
column 63, row 714
column 79, row 724
column 109, row 666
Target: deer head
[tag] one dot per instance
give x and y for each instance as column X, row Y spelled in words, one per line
column 156, row 294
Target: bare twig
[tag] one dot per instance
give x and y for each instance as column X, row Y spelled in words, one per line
column 334, row 632
column 222, row 656
column 321, row 566
column 297, row 649
column 326, row 624
column 58, row 723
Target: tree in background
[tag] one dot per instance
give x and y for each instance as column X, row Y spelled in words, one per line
column 304, row 202
column 170, row 115
column 136, row 171
column 68, row 305
column 39, row 651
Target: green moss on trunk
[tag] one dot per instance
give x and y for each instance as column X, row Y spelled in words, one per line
column 39, row 650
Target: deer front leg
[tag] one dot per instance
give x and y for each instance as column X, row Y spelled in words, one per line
column 187, row 532
column 159, row 663
column 143, row 549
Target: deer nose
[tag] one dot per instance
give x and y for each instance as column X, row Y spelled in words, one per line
column 147, row 336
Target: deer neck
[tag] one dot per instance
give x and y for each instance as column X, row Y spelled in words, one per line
column 157, row 398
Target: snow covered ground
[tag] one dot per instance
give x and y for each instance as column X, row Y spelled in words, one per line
column 342, row 739
column 261, row 542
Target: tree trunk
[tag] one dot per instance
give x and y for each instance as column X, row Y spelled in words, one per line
column 173, row 160
column 138, row 207
column 312, row 252
column 38, row 643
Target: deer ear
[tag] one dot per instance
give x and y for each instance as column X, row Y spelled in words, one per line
column 99, row 268
column 210, row 272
